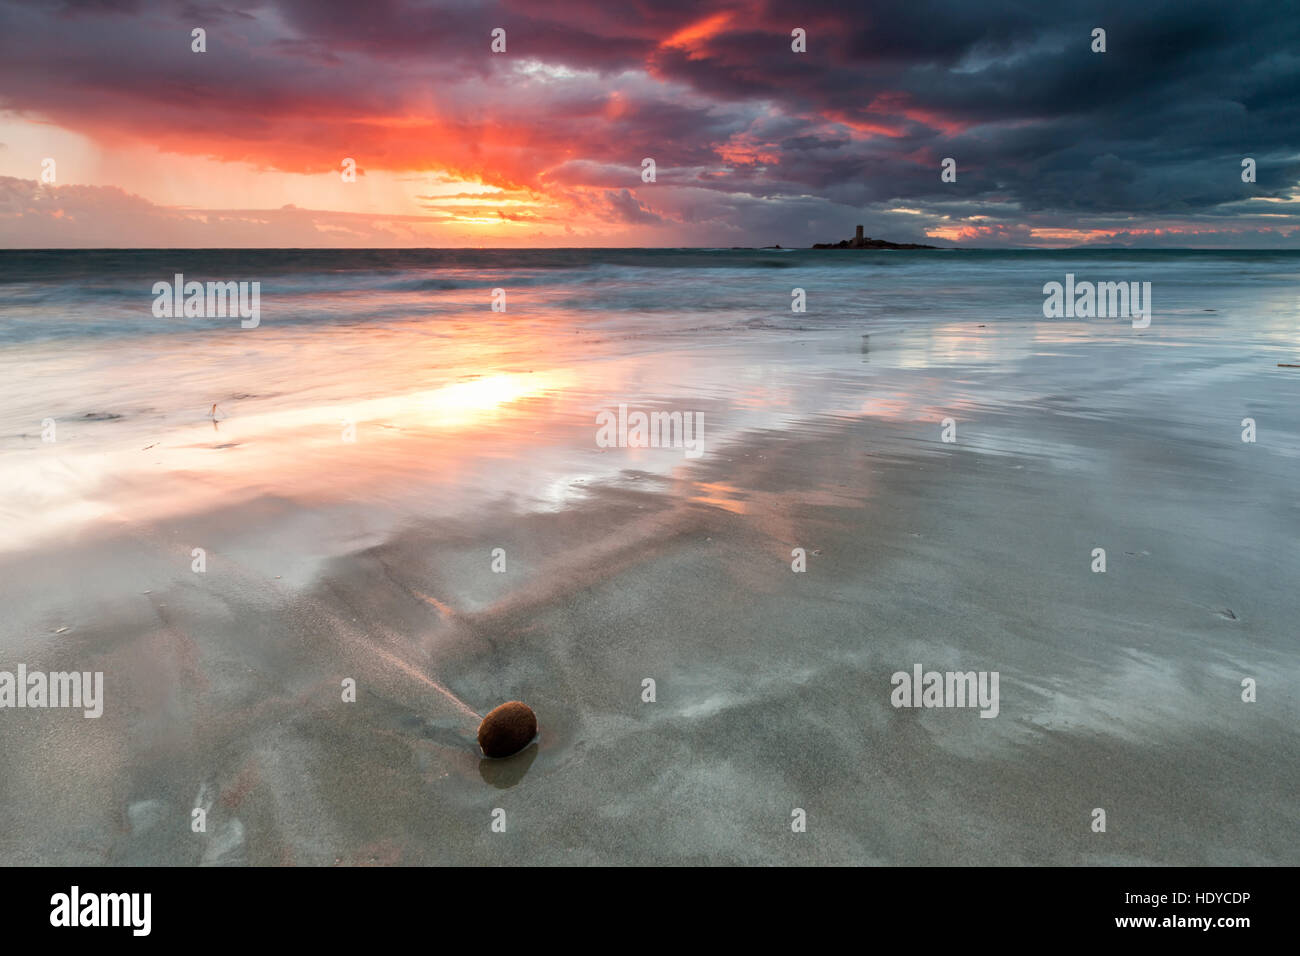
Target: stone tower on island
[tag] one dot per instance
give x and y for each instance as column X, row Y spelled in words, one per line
column 859, row 241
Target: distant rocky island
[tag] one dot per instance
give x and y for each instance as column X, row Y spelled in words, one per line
column 865, row 242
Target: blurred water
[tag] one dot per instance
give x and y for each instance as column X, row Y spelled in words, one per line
column 405, row 346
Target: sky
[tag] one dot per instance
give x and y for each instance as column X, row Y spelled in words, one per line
column 754, row 143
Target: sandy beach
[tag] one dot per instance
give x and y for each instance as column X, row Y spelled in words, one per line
column 372, row 560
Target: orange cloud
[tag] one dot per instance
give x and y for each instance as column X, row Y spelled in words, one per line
column 694, row 38
column 743, row 149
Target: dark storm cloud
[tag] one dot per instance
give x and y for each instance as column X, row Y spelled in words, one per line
column 1045, row 132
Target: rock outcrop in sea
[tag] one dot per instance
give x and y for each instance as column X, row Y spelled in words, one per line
column 866, row 242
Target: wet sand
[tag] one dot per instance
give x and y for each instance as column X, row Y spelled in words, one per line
column 1118, row 690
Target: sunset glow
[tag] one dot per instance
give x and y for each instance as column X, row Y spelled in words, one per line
column 542, row 143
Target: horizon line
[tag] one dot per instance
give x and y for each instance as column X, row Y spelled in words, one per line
column 1082, row 248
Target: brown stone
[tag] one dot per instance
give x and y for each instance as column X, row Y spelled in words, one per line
column 507, row 729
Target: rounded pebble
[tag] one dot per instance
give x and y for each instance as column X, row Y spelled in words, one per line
column 507, row 729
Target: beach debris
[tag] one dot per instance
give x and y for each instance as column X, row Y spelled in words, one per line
column 507, row 729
